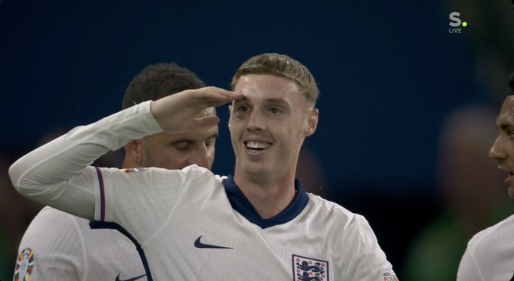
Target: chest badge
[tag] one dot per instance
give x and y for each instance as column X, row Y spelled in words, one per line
column 309, row 269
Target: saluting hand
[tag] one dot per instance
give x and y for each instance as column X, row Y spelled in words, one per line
column 183, row 112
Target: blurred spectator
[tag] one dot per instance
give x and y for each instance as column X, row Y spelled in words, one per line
column 472, row 194
column 310, row 173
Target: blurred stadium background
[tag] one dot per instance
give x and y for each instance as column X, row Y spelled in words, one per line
column 404, row 95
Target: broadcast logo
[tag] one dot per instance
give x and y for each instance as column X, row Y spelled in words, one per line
column 456, row 24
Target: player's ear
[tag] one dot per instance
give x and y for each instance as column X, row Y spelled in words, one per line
column 312, row 122
column 134, row 152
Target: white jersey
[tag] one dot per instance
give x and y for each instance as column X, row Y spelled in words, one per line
column 59, row 246
column 192, row 225
column 490, row 254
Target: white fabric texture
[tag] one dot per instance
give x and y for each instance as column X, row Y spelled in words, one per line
column 181, row 218
column 490, row 254
column 65, row 248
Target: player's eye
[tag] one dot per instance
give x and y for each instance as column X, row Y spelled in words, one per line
column 183, row 145
column 275, row 110
column 243, row 108
column 210, row 142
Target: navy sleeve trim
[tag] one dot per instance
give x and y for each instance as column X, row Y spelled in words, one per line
column 102, row 193
column 112, row 225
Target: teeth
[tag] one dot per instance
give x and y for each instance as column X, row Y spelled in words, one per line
column 257, row 145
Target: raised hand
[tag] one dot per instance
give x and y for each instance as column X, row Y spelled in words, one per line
column 183, row 112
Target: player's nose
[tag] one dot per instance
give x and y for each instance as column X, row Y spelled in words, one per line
column 255, row 121
column 497, row 152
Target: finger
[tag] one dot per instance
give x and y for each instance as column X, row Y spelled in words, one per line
column 230, row 95
column 208, row 100
column 217, row 96
column 205, row 122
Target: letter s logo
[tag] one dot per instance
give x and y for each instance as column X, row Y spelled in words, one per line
column 454, row 17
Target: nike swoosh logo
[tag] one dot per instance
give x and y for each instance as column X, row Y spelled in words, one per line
column 131, row 279
column 199, row 244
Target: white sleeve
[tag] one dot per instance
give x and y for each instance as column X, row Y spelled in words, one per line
column 53, row 240
column 468, row 268
column 128, row 198
column 366, row 260
column 55, row 174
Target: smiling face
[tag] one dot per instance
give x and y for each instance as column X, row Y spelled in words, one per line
column 503, row 148
column 268, row 127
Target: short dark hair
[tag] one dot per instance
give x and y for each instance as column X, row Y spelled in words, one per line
column 159, row 80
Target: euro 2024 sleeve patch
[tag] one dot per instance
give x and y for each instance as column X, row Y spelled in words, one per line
column 309, row 269
column 24, row 265
column 133, row 170
column 390, row 276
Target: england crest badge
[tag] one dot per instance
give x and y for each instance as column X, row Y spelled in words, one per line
column 309, row 269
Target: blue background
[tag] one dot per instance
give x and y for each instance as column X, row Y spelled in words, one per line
column 389, row 73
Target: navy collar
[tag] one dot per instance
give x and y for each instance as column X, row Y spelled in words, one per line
column 241, row 204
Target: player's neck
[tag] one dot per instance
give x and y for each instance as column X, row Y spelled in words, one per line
column 128, row 164
column 270, row 197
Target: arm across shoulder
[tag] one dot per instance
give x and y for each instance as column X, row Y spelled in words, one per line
column 56, row 173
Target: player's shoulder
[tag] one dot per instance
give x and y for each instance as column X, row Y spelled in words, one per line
column 502, row 230
column 188, row 171
column 329, row 208
column 191, row 177
column 51, row 228
column 52, row 216
column 333, row 212
column 201, row 174
column 490, row 252
column 50, row 220
column 343, row 229
column 199, row 177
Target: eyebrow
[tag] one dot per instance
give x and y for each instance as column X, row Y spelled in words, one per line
column 267, row 100
column 277, row 101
